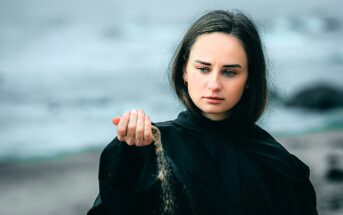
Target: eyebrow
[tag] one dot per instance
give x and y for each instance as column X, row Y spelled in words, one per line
column 226, row 66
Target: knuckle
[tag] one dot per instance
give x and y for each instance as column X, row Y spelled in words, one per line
column 139, row 133
column 148, row 138
column 130, row 142
column 148, row 135
column 138, row 139
column 147, row 129
column 140, row 124
column 121, row 131
column 131, row 127
column 147, row 142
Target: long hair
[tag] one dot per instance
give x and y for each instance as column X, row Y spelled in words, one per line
column 254, row 98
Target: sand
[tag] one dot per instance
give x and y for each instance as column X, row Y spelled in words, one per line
column 64, row 185
column 323, row 153
column 68, row 185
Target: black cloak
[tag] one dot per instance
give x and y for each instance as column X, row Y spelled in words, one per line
column 219, row 167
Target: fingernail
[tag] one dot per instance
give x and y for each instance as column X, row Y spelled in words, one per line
column 116, row 120
column 134, row 111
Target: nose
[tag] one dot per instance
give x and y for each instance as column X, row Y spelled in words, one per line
column 214, row 82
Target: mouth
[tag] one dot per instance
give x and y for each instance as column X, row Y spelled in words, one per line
column 213, row 100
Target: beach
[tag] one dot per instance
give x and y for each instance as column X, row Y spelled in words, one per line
column 62, row 185
column 68, row 184
column 68, row 67
column 323, row 153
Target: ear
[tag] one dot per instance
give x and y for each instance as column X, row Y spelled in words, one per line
column 185, row 76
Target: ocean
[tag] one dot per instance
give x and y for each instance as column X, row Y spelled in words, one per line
column 68, row 67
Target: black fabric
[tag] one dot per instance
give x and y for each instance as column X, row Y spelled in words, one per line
column 218, row 167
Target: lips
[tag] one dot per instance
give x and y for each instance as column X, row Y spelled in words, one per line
column 213, row 100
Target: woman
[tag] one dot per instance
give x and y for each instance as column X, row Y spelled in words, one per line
column 221, row 161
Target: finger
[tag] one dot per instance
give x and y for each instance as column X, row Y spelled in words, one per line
column 122, row 126
column 116, row 120
column 131, row 127
column 130, row 141
column 139, row 136
column 147, row 131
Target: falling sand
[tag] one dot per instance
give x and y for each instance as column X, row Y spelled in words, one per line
column 163, row 174
column 163, row 171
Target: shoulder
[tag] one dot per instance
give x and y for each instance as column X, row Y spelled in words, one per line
column 265, row 148
column 260, row 133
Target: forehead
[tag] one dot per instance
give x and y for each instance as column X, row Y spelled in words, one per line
column 218, row 46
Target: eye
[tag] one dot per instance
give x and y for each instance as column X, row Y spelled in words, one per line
column 229, row 73
column 203, row 69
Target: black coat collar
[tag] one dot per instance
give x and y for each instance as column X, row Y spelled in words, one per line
column 198, row 122
column 254, row 140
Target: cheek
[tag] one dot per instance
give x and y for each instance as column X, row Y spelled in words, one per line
column 238, row 87
column 194, row 79
column 195, row 86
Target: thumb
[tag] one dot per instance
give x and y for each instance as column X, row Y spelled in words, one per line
column 116, row 120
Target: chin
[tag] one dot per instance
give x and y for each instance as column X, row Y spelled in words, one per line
column 214, row 111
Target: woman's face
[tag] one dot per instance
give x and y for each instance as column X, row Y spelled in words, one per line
column 216, row 74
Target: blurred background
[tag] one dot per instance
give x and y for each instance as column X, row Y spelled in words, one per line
column 68, row 67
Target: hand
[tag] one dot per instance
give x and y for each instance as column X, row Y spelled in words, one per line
column 134, row 128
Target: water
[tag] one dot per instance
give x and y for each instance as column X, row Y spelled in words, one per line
column 68, row 67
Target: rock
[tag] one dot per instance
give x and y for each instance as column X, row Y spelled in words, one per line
column 274, row 96
column 319, row 97
column 335, row 171
column 335, row 174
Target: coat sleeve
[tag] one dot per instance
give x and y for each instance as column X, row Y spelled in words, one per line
column 97, row 207
column 290, row 195
column 288, row 177
column 126, row 176
column 306, row 196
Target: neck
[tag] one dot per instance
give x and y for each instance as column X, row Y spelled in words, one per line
column 216, row 117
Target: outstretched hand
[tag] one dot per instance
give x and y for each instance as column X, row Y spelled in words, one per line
column 134, row 128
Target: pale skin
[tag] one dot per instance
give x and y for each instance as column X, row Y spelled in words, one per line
column 134, row 128
column 216, row 74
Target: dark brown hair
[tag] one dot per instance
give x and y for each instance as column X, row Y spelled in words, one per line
column 254, row 99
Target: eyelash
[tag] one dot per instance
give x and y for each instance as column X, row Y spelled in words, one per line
column 203, row 69
column 229, row 73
